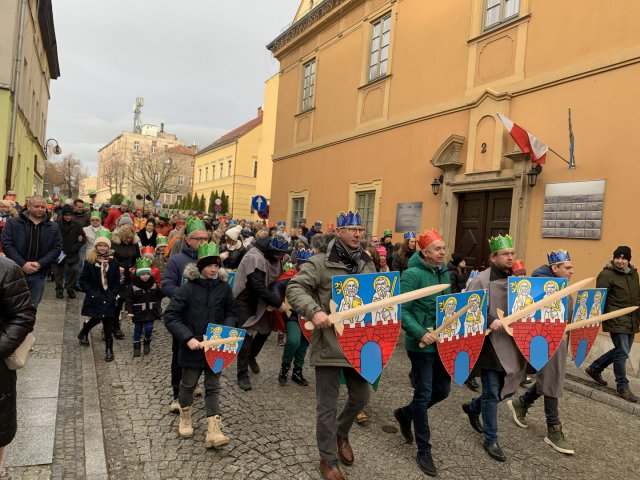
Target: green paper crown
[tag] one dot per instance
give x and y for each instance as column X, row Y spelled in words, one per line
column 208, row 250
column 500, row 243
column 194, row 223
column 143, row 264
column 388, row 232
column 95, row 214
column 103, row 233
column 161, row 240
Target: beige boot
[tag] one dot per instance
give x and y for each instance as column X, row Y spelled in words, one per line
column 215, row 438
column 185, row 428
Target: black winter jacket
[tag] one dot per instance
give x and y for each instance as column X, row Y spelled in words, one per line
column 126, row 255
column 98, row 302
column 235, row 256
column 71, row 246
column 458, row 280
column 17, row 237
column 198, row 303
column 142, row 299
column 150, row 241
column 624, row 291
column 17, row 318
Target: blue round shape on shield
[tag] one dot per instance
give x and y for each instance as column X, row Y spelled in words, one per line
column 217, row 365
column 539, row 352
column 581, row 354
column 461, row 367
column 371, row 361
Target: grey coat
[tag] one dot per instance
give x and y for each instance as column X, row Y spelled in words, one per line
column 309, row 292
column 511, row 360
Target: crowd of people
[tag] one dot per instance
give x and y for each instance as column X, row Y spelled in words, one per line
column 127, row 262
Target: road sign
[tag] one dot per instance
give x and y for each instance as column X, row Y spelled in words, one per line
column 264, row 214
column 259, row 203
column 217, row 208
column 218, row 201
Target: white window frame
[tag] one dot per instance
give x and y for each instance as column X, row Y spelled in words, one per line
column 308, row 85
column 506, row 10
column 136, row 145
column 380, row 40
column 297, row 214
column 180, row 179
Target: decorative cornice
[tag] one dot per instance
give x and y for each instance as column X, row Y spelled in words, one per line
column 304, row 23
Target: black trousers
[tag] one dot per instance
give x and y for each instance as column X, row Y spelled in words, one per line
column 107, row 325
column 176, row 371
column 188, row 384
column 250, row 349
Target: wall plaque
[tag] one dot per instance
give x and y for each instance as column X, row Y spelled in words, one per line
column 573, row 210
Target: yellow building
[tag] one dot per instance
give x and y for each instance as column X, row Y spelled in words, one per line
column 265, row 146
column 231, row 164
column 28, row 61
column 377, row 98
column 87, row 186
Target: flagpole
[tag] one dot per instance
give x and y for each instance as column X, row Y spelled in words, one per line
column 559, row 156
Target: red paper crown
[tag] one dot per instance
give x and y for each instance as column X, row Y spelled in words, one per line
column 148, row 250
column 427, row 238
column 519, row 268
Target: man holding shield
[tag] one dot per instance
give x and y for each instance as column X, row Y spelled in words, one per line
column 309, row 293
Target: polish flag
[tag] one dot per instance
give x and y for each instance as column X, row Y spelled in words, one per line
column 526, row 141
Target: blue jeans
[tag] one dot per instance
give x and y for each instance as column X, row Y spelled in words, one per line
column 36, row 282
column 622, row 343
column 487, row 402
column 137, row 330
column 432, row 385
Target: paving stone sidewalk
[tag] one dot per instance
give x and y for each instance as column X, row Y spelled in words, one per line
column 272, row 428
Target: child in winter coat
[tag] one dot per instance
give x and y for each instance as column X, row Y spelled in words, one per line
column 142, row 303
column 148, row 252
column 100, row 281
column 159, row 258
column 296, row 344
column 204, row 299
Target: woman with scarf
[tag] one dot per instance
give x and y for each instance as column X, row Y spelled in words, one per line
column 100, row 281
column 400, row 262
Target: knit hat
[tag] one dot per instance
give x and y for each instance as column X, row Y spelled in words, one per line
column 147, row 252
column 208, row 254
column 103, row 235
column 382, row 251
column 622, row 252
column 124, row 219
column 67, row 210
column 143, row 265
column 246, row 233
column 456, row 258
column 234, row 233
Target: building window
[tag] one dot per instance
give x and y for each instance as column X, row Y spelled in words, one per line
column 220, row 169
column 180, row 179
column 499, row 11
column 297, row 209
column 365, row 203
column 308, row 84
column 199, row 175
column 190, row 181
column 153, row 147
column 213, row 171
column 229, row 168
column 255, row 169
column 167, row 198
column 380, row 38
column 206, row 173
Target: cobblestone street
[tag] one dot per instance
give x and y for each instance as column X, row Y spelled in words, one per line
column 272, row 428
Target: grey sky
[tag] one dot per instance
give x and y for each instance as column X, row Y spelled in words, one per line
column 199, row 64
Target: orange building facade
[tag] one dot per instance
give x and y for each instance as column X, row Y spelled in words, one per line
column 377, row 98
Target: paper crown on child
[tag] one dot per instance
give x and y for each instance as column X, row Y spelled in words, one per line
column 279, row 243
column 103, row 235
column 427, row 238
column 95, row 215
column 500, row 243
column 147, row 252
column 304, row 254
column 317, row 223
column 559, row 256
column 143, row 265
column 208, row 254
column 194, row 224
column 519, row 268
column 408, row 235
column 349, row 220
column 388, row 233
column 161, row 241
column 281, row 224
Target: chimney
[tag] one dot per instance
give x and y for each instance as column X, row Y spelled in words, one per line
column 162, row 127
column 260, row 112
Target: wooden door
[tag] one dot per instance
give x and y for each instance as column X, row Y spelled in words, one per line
column 481, row 215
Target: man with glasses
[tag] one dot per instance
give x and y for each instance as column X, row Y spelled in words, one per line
column 172, row 280
column 501, row 365
column 309, row 294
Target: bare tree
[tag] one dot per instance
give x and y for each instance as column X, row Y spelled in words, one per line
column 113, row 174
column 153, row 173
column 67, row 174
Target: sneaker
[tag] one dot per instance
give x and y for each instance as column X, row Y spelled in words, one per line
column 596, row 376
column 59, row 294
column 425, row 462
column 244, row 383
column 405, row 426
column 627, row 395
column 71, row 293
column 518, row 411
column 474, row 418
column 556, row 439
column 253, row 366
column 174, row 406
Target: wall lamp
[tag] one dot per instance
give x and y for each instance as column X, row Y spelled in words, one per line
column 532, row 175
column 435, row 185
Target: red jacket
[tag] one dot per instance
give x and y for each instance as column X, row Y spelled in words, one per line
column 112, row 218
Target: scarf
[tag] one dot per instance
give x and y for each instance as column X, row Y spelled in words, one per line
column 348, row 256
column 103, row 262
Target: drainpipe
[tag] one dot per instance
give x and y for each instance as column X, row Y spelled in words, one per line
column 233, row 188
column 16, row 92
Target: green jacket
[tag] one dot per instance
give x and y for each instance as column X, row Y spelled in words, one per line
column 309, row 292
column 419, row 315
column 623, row 292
